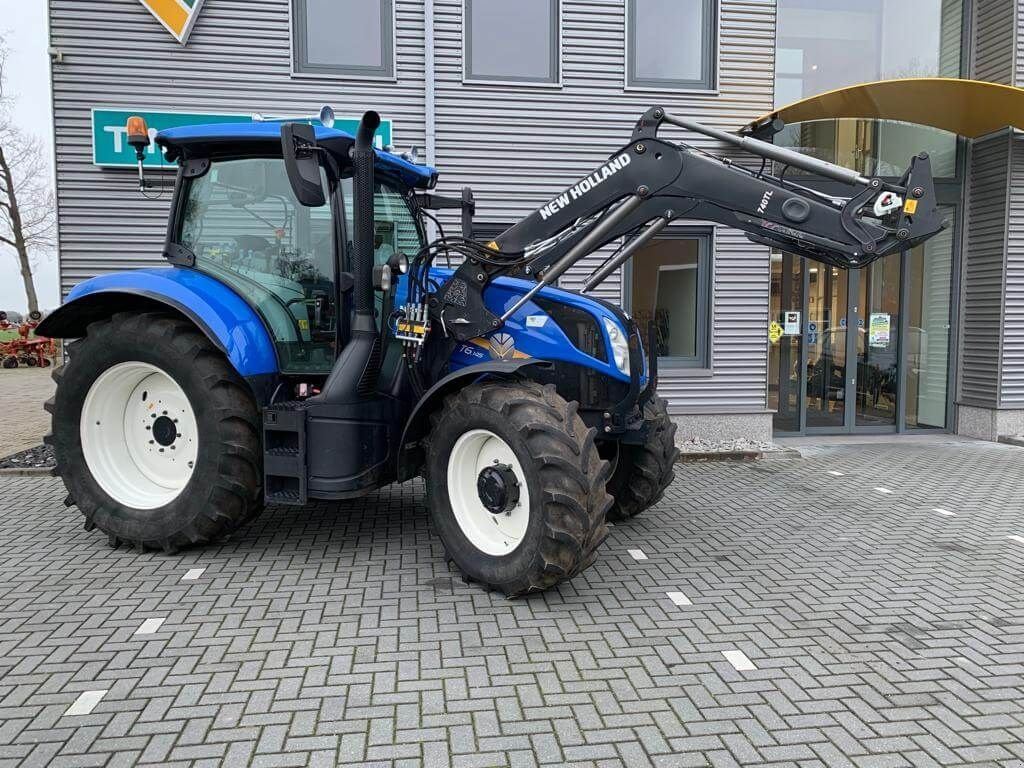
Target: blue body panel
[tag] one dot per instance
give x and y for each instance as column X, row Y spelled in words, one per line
column 421, row 176
column 236, row 327
column 222, row 313
column 533, row 332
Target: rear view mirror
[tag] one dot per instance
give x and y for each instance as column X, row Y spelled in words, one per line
column 301, row 162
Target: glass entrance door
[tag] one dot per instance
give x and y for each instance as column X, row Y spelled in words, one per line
column 864, row 350
column 877, row 318
column 827, row 343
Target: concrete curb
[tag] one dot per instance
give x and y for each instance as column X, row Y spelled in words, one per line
column 26, row 471
column 693, row 458
column 696, row 457
column 1018, row 441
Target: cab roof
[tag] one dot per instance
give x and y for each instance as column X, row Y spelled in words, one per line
column 240, row 139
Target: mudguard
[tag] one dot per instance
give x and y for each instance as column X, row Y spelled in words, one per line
column 417, row 426
column 224, row 316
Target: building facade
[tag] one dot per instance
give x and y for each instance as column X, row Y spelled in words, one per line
column 519, row 100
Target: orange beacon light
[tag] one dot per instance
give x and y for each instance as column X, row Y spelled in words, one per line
column 138, row 137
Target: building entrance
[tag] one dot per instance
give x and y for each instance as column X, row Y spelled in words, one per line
column 864, row 350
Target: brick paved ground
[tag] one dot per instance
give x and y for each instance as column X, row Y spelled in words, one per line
column 883, row 632
column 23, row 422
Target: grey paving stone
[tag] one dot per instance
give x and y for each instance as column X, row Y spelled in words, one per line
column 883, row 634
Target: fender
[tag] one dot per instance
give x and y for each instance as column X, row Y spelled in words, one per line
column 415, row 426
column 220, row 313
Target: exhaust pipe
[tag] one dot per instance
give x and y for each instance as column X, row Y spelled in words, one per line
column 354, row 376
column 362, row 155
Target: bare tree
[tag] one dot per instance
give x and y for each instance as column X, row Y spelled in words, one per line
column 27, row 220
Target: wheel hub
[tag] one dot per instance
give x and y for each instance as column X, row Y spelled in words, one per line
column 498, row 488
column 164, row 430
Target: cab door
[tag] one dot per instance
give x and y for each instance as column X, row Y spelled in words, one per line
column 245, row 227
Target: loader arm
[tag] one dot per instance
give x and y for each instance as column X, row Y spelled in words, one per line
column 651, row 182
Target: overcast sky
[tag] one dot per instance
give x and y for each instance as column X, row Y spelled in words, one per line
column 28, row 77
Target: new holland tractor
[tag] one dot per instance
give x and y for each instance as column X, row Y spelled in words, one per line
column 306, row 341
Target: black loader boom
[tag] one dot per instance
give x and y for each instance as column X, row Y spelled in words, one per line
column 651, row 182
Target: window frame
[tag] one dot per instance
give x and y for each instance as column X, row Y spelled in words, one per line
column 556, row 54
column 301, row 68
column 710, row 56
column 701, row 363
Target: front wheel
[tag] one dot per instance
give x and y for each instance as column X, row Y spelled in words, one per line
column 643, row 472
column 516, row 486
column 155, row 434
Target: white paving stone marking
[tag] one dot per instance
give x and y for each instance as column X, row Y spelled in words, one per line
column 739, row 660
column 85, row 703
column 941, row 511
column 637, row 554
column 193, row 574
column 678, row 598
column 149, row 626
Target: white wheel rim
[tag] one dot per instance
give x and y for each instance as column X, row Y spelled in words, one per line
column 130, row 413
column 494, row 534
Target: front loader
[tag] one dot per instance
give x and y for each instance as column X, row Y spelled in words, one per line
column 304, row 341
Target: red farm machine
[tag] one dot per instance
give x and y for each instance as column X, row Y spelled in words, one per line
column 25, row 349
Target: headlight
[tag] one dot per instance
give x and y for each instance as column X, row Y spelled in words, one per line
column 620, row 347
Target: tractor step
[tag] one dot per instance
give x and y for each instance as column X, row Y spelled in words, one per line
column 284, row 453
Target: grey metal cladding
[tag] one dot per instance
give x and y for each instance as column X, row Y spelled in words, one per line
column 1012, row 361
column 993, row 23
column 238, row 60
column 519, row 145
column 982, row 293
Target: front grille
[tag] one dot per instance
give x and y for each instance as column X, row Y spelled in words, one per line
column 579, row 325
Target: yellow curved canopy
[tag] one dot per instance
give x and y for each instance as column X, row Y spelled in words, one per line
column 971, row 108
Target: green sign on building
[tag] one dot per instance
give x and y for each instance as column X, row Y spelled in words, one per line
column 109, row 135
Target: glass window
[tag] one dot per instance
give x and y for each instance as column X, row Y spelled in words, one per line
column 823, row 46
column 930, row 274
column 517, row 41
column 671, row 43
column 246, row 228
column 670, row 285
column 394, row 227
column 345, row 37
column 786, row 296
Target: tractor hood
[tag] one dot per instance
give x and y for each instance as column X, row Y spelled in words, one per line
column 241, row 139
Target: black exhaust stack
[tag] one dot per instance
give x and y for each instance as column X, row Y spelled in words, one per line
column 354, row 375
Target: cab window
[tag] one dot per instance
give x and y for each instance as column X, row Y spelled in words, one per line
column 394, row 226
column 245, row 227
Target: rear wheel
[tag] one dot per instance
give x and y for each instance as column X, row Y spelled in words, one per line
column 10, row 362
column 516, row 486
column 643, row 472
column 155, row 434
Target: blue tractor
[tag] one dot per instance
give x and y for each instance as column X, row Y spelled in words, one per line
column 305, row 342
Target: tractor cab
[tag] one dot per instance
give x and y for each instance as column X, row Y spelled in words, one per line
column 237, row 218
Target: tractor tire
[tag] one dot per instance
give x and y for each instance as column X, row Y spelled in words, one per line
column 516, row 486
column 643, row 472
column 10, row 362
column 156, row 436
column 29, row 361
